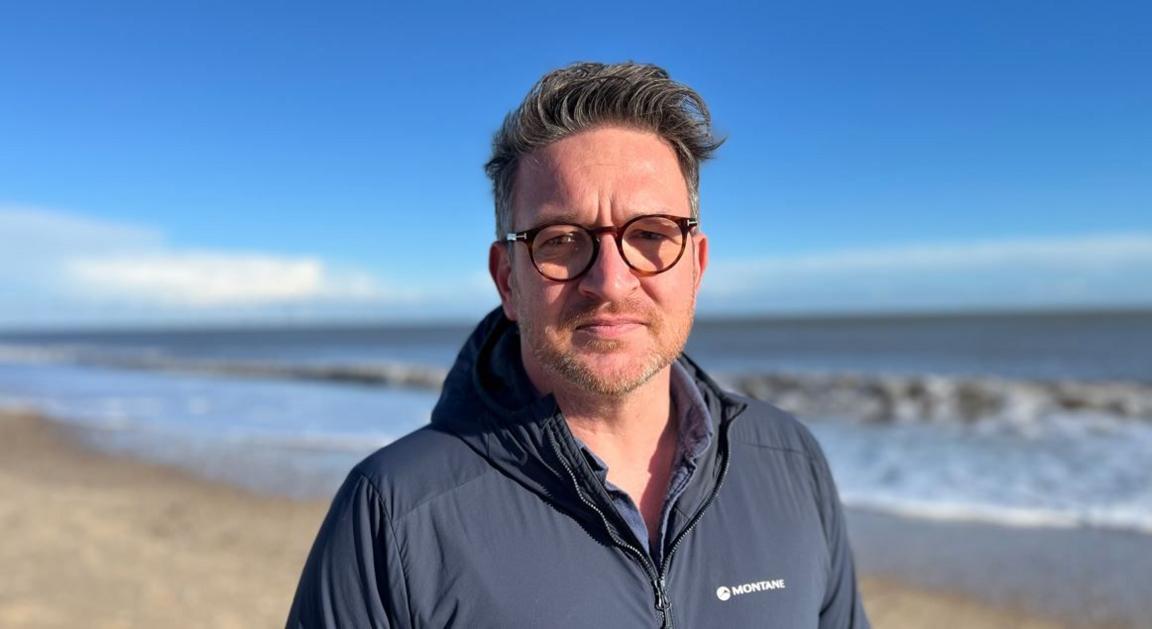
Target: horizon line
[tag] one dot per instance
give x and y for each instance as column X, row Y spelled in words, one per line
column 710, row 318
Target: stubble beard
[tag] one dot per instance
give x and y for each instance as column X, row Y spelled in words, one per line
column 553, row 348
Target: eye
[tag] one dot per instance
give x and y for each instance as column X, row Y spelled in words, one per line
column 651, row 238
column 560, row 240
column 653, row 231
column 644, row 234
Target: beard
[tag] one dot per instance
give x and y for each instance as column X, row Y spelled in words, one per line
column 589, row 364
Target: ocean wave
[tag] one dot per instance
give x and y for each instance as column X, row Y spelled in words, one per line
column 383, row 374
column 362, row 442
column 947, row 399
column 316, row 442
column 866, row 397
column 1114, row 518
column 36, row 354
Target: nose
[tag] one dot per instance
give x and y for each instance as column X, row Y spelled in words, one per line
column 609, row 278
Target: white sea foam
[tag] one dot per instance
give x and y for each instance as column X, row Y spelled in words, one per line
column 932, row 398
column 1119, row 518
column 1078, row 478
column 36, row 354
column 331, row 442
column 113, row 419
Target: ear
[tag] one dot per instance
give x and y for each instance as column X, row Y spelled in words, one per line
column 701, row 258
column 500, row 268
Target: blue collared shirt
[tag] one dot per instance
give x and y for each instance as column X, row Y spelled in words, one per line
column 694, row 436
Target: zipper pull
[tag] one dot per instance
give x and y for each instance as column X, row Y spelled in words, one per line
column 662, row 602
column 661, row 598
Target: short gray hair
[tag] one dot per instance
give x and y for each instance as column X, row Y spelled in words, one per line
column 587, row 95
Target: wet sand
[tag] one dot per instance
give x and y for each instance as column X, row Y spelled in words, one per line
column 100, row 541
column 1085, row 577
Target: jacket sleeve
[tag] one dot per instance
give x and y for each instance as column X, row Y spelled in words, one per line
column 353, row 576
column 842, row 607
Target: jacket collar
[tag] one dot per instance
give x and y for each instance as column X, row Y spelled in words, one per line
column 489, row 402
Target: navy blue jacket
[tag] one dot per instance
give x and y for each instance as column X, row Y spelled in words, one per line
column 490, row 516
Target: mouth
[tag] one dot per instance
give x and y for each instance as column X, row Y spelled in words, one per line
column 610, row 327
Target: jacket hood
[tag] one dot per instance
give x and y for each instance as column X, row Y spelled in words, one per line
column 489, row 402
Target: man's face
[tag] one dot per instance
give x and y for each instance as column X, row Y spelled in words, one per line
column 610, row 330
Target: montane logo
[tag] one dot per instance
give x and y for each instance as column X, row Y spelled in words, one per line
column 725, row 592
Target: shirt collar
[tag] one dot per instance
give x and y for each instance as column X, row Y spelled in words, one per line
column 694, row 422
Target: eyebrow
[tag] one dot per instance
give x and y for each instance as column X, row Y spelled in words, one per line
column 564, row 216
column 572, row 217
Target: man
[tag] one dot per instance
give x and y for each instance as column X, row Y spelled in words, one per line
column 579, row 471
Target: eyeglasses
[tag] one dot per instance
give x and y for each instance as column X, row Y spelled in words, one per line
column 649, row 244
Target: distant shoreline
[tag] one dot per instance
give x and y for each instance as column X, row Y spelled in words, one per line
column 922, row 315
column 706, row 319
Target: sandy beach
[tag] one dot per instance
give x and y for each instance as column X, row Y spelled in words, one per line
column 100, row 541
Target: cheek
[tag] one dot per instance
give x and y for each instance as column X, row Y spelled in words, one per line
column 547, row 303
column 676, row 289
column 533, row 296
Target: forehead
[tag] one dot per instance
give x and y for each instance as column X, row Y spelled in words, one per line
column 607, row 172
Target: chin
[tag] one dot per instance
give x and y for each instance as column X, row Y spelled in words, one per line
column 610, row 375
column 602, row 366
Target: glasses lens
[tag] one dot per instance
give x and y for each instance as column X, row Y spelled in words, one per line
column 653, row 243
column 561, row 251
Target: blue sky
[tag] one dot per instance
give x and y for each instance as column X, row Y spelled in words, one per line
column 271, row 161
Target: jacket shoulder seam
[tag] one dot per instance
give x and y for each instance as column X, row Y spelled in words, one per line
column 440, row 494
column 764, row 446
column 389, row 521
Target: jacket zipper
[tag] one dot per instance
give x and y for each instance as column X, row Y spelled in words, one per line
column 662, row 603
column 659, row 578
column 695, row 518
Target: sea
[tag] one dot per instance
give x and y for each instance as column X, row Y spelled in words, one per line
column 1022, row 420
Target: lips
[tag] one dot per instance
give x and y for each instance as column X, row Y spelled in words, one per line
column 600, row 322
column 610, row 326
column 611, row 320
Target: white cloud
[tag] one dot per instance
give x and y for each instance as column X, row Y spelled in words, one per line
column 57, row 267
column 212, row 279
column 39, row 233
column 1090, row 270
column 1094, row 250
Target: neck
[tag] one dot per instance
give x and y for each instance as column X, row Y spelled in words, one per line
column 630, row 425
column 633, row 433
column 632, row 421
